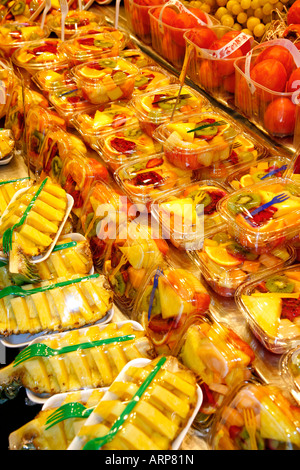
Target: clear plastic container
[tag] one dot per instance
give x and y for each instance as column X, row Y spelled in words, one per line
column 258, row 223
column 7, row 146
column 105, row 119
column 290, row 370
column 8, row 81
column 220, row 359
column 188, row 214
column 130, row 255
column 51, row 80
column 151, row 77
column 210, row 68
column 198, row 140
column 8, row 188
column 156, row 106
column 167, row 40
column 276, row 415
column 39, row 55
column 125, row 145
column 226, row 265
column 77, row 175
column 120, row 35
column 91, row 47
column 74, row 22
column 22, row 10
column 271, row 108
column 270, row 306
column 136, row 57
column 14, row 35
column 145, row 406
column 145, row 179
column 105, row 80
column 168, row 303
column 137, row 16
column 70, row 100
column 271, row 167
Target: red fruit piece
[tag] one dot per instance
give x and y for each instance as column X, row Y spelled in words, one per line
column 280, row 117
column 202, row 36
column 279, row 53
column 293, row 16
column 292, row 32
column 148, row 178
column 123, row 145
column 119, row 120
column 293, row 83
column 271, row 74
column 290, row 309
column 199, row 13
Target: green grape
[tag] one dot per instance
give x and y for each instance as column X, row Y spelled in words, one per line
column 247, row 31
column 227, row 20
column 252, row 22
column 258, row 13
column 267, row 8
column 221, row 3
column 242, row 18
column 237, row 27
column 221, row 12
column 236, row 9
column 254, row 4
column 245, row 4
column 259, row 30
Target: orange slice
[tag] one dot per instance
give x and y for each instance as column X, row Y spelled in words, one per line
column 220, row 256
column 246, row 180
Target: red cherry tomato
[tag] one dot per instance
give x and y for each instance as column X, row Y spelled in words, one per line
column 279, row 53
column 271, row 74
column 280, row 116
column 293, row 16
column 293, row 83
column 203, row 37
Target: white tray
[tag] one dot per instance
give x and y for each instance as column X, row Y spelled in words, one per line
column 43, row 397
column 92, row 419
column 6, row 160
column 57, row 400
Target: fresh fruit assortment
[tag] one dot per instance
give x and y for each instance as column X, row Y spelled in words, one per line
column 7, row 144
column 168, row 286
column 263, row 216
column 271, row 306
column 276, row 419
column 14, row 35
column 92, row 367
column 290, row 368
column 155, row 107
column 163, row 410
column 197, row 140
column 21, row 10
column 106, row 80
column 226, row 264
column 186, row 214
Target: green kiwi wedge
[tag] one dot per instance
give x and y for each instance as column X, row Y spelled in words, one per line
column 280, row 284
column 243, row 201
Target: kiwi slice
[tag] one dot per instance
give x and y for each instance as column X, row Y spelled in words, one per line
column 56, row 166
column 221, row 237
column 280, row 284
column 130, row 133
column 207, row 131
column 202, row 196
column 243, row 201
column 258, row 176
column 102, row 43
column 108, row 63
column 119, row 77
column 245, row 157
column 156, row 308
column 140, row 81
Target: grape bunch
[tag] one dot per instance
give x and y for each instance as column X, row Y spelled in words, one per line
column 250, row 16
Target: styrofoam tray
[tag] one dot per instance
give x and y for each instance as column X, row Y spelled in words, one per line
column 43, row 397
column 20, row 341
column 6, row 160
column 45, row 255
column 94, row 418
column 57, row 400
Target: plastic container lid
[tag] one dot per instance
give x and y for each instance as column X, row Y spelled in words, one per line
column 54, row 79
column 136, row 57
column 270, row 306
column 188, row 214
column 187, row 148
column 15, row 34
column 226, row 265
column 151, row 77
column 85, row 48
column 74, row 22
column 121, row 36
column 39, row 54
column 276, row 416
column 69, row 100
column 8, row 80
column 290, row 371
column 270, row 226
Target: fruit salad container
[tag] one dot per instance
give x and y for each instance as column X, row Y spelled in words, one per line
column 151, row 77
column 137, row 16
column 52, row 80
column 8, row 188
column 162, row 416
column 36, row 435
column 169, row 302
column 39, row 121
column 156, row 107
column 120, row 35
column 187, row 214
column 8, row 81
column 245, row 150
column 74, row 22
column 197, row 140
column 211, row 56
column 266, row 92
column 290, row 370
column 105, row 80
column 225, row 264
column 39, row 55
column 14, row 35
column 91, row 47
column 263, row 216
column 104, row 210
column 77, row 175
column 70, row 100
column 270, row 305
column 57, row 145
column 7, row 146
column 168, row 23
column 272, row 167
column 125, row 145
column 146, row 179
column 137, row 57
column 76, row 370
column 130, row 255
column 108, row 118
column 220, row 359
column 276, row 416
column 21, row 10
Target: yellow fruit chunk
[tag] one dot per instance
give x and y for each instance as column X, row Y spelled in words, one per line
column 246, row 180
column 266, row 311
